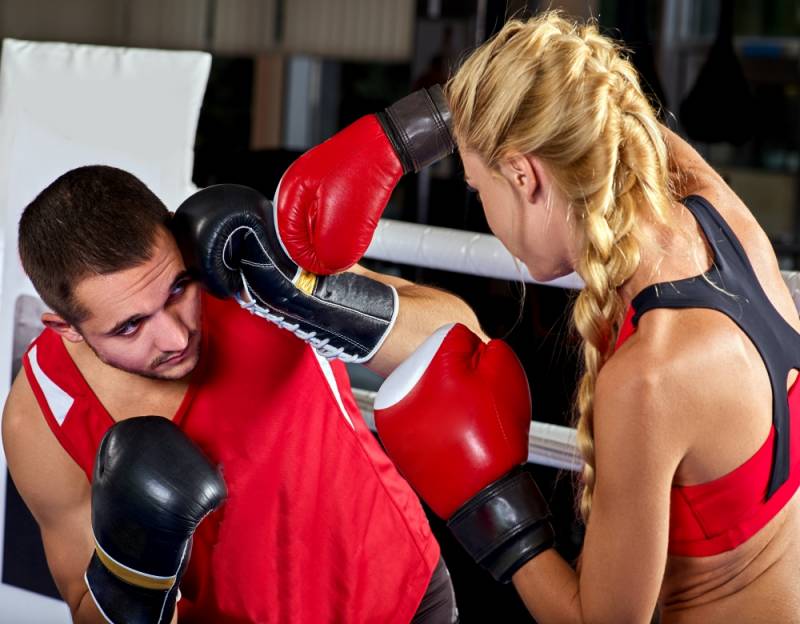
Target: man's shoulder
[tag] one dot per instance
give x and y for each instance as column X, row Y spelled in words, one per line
column 20, row 407
column 44, row 345
column 24, row 426
column 53, row 487
column 43, row 472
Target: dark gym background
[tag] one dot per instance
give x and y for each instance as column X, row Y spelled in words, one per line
column 725, row 73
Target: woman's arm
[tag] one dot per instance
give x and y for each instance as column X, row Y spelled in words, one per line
column 637, row 451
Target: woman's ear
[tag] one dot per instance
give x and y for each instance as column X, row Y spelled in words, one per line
column 60, row 326
column 523, row 173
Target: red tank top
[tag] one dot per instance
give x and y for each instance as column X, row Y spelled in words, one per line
column 717, row 516
column 318, row 526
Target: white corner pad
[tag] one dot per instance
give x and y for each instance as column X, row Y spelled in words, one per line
column 403, row 379
column 389, row 328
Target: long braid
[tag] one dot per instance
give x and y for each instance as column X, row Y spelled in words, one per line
column 565, row 94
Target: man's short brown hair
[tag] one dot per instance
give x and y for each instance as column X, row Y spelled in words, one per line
column 92, row 220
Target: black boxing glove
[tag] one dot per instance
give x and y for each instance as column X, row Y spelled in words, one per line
column 151, row 488
column 226, row 234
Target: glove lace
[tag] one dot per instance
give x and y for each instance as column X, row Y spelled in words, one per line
column 320, row 345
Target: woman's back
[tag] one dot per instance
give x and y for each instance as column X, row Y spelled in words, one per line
column 717, row 380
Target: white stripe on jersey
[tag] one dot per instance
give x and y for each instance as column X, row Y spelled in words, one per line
column 325, row 365
column 58, row 401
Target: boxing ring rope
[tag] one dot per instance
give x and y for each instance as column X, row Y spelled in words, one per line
column 457, row 251
column 483, row 255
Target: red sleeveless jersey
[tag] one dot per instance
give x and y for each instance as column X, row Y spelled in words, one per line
column 318, row 526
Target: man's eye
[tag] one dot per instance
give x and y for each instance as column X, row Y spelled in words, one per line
column 129, row 329
column 179, row 288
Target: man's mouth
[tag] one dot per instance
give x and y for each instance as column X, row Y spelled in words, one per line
column 177, row 358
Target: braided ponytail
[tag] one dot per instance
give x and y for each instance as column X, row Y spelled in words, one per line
column 565, row 94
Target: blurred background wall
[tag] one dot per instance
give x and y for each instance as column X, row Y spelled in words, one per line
column 286, row 74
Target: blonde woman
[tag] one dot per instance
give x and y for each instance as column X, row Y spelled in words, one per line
column 687, row 404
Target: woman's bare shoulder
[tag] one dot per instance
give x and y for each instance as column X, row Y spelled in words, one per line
column 676, row 365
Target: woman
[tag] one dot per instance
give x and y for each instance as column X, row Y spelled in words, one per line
column 689, row 478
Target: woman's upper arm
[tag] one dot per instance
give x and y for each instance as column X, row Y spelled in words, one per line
column 637, row 450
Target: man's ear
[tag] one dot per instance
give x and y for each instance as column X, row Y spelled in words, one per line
column 62, row 327
column 524, row 173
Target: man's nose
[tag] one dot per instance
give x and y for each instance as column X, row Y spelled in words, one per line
column 172, row 333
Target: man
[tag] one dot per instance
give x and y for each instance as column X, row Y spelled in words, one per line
column 317, row 525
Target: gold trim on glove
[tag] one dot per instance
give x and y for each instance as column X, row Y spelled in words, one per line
column 134, row 577
column 305, row 282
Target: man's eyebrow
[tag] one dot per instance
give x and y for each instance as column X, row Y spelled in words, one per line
column 180, row 277
column 183, row 275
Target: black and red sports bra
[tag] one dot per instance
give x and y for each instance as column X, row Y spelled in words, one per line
column 710, row 518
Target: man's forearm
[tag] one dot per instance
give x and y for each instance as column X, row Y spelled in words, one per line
column 422, row 310
column 88, row 613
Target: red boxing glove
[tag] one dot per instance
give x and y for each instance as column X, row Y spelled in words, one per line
column 455, row 417
column 329, row 201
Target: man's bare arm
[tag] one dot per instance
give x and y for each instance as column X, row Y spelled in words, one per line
column 58, row 494
column 423, row 310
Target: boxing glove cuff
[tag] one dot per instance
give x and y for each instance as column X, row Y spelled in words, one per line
column 344, row 316
column 123, row 602
column 505, row 525
column 418, row 127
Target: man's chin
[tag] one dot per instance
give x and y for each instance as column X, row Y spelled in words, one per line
column 166, row 371
column 176, row 372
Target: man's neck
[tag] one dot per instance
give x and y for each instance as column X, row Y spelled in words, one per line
column 125, row 394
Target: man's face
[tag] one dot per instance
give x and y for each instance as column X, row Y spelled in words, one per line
column 145, row 320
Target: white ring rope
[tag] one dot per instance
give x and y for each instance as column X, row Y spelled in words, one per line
column 484, row 255
column 457, row 251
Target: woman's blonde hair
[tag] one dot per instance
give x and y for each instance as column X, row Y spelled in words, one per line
column 565, row 93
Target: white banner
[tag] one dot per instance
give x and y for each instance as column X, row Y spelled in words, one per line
column 63, row 106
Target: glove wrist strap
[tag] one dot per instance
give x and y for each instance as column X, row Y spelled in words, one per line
column 505, row 525
column 121, row 602
column 345, row 316
column 132, row 576
column 418, row 127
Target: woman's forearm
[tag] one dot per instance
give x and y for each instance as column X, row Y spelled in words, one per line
column 549, row 588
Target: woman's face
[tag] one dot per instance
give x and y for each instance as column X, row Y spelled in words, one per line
column 526, row 212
